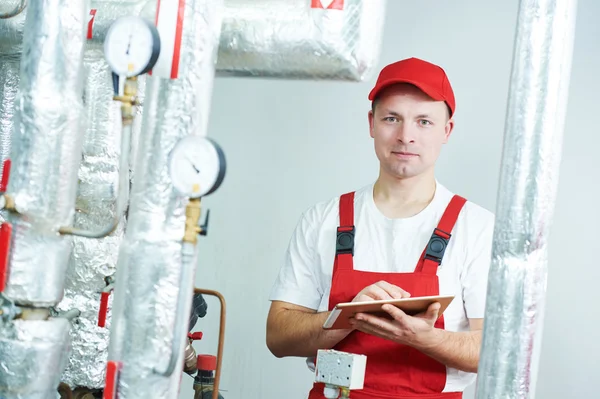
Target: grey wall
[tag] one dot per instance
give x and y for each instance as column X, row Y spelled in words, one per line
column 290, row 144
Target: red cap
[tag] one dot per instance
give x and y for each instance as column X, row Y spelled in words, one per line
column 207, row 362
column 428, row 77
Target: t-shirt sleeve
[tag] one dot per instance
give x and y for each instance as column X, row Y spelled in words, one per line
column 298, row 281
column 479, row 258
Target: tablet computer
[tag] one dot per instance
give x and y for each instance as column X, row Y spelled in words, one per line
column 342, row 312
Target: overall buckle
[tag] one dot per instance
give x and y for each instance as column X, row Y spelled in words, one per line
column 345, row 240
column 437, row 245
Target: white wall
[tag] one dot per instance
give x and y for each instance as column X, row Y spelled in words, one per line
column 290, row 144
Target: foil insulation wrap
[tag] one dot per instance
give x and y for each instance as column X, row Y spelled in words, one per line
column 11, row 39
column 529, row 178
column 301, row 39
column 150, row 270
column 93, row 260
column 107, row 11
column 31, row 352
column 46, row 149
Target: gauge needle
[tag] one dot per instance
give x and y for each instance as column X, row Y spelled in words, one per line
column 194, row 166
column 128, row 45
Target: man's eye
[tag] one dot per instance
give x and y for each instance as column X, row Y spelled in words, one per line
column 425, row 122
column 390, row 119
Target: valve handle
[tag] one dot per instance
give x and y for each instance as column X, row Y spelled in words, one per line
column 5, row 238
column 112, row 378
column 103, row 308
column 5, row 176
column 204, row 227
column 196, row 336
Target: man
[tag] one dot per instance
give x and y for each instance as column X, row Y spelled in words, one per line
column 393, row 222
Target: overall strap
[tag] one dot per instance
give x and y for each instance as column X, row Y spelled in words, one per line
column 434, row 252
column 344, row 248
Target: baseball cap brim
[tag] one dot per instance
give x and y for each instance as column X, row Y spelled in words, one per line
column 431, row 92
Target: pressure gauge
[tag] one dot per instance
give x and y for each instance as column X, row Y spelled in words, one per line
column 197, row 166
column 131, row 46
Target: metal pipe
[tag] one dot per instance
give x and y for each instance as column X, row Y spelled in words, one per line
column 526, row 195
column 17, row 10
column 148, row 278
column 122, row 195
column 222, row 319
column 188, row 266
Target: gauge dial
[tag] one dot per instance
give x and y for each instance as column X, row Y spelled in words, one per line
column 197, row 166
column 131, row 46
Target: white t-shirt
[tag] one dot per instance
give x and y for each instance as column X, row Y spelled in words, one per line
column 392, row 245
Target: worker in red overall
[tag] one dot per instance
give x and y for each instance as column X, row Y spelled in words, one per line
column 404, row 235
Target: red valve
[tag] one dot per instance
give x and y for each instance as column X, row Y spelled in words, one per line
column 5, row 237
column 197, row 336
column 103, row 308
column 5, row 176
column 112, row 378
column 207, row 362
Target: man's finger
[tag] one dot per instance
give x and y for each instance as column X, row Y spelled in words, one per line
column 433, row 311
column 377, row 292
column 396, row 313
column 393, row 290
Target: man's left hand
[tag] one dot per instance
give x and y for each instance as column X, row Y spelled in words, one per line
column 416, row 331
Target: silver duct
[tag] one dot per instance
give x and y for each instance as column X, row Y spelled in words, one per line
column 149, row 272
column 290, row 39
column 529, row 178
column 46, row 150
column 92, row 261
column 11, row 39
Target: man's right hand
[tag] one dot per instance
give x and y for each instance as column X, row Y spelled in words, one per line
column 380, row 290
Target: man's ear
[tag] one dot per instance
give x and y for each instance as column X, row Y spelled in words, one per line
column 448, row 130
column 371, row 123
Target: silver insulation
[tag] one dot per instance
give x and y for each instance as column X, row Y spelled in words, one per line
column 11, row 39
column 149, row 270
column 31, row 352
column 46, row 149
column 92, row 260
column 529, row 177
column 289, row 39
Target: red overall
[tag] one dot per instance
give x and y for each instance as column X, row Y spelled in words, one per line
column 393, row 370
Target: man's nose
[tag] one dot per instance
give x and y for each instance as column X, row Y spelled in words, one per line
column 405, row 133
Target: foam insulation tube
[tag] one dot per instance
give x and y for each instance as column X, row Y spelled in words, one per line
column 147, row 301
column 301, row 39
column 537, row 106
column 31, row 353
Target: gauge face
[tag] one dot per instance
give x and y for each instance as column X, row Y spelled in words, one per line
column 197, row 166
column 131, row 46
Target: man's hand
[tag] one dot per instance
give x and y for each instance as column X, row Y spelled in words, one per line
column 417, row 331
column 380, row 290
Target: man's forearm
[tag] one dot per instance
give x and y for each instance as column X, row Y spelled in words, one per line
column 459, row 350
column 297, row 333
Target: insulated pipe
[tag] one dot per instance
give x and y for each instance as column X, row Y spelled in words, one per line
column 301, row 39
column 45, row 155
column 149, row 271
column 529, row 177
column 46, row 150
column 11, row 39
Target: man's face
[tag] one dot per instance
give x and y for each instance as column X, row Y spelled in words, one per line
column 409, row 129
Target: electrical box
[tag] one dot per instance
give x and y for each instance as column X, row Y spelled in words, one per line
column 341, row 369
